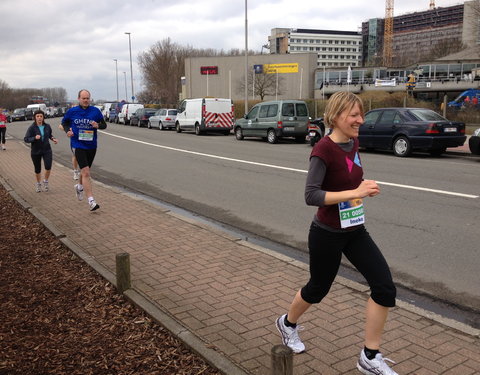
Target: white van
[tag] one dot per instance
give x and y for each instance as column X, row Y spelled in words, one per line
column 205, row 115
column 127, row 111
column 35, row 107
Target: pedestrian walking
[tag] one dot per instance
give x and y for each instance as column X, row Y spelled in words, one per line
column 336, row 186
column 81, row 124
column 39, row 135
column 3, row 129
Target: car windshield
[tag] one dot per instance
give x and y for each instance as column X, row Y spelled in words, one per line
column 19, row 110
column 172, row 112
column 426, row 115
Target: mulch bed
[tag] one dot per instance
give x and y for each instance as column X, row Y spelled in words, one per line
column 60, row 317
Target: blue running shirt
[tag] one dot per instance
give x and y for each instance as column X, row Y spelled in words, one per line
column 79, row 119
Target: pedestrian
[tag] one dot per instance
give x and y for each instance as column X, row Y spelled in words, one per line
column 336, row 186
column 3, row 129
column 76, row 171
column 474, row 101
column 81, row 124
column 39, row 135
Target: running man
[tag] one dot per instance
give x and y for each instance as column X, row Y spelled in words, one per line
column 81, row 124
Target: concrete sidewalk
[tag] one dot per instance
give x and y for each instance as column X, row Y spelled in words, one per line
column 220, row 294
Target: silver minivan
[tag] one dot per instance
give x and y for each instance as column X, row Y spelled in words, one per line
column 274, row 120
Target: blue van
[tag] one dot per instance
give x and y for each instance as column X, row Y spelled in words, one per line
column 460, row 99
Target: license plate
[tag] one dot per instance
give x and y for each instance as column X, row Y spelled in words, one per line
column 450, row 130
column 312, row 134
column 289, row 128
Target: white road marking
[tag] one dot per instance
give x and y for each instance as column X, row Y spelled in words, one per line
column 284, row 168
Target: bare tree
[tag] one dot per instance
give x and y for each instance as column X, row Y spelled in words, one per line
column 262, row 84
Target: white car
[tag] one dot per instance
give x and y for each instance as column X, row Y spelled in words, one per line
column 163, row 119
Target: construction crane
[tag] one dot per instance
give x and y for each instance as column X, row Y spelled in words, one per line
column 388, row 34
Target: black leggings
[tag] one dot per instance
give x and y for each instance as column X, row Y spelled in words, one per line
column 2, row 134
column 47, row 161
column 326, row 250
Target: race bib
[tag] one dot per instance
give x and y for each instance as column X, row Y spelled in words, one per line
column 351, row 213
column 85, row 135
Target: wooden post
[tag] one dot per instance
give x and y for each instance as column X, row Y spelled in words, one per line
column 123, row 271
column 444, row 106
column 282, row 360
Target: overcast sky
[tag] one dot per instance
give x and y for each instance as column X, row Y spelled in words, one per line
column 72, row 44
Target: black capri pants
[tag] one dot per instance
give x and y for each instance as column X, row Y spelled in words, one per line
column 326, row 250
column 47, row 161
column 3, row 131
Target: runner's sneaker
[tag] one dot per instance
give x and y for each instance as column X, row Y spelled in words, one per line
column 38, row 187
column 45, row 185
column 290, row 335
column 76, row 174
column 376, row 366
column 79, row 192
column 3, row 148
column 93, row 205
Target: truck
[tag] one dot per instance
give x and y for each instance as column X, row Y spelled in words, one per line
column 204, row 115
column 461, row 100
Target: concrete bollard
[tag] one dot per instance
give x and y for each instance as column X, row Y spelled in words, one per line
column 282, row 360
column 123, row 271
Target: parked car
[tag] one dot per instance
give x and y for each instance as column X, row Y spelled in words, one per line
column 404, row 130
column 128, row 109
column 163, row 119
column 274, row 120
column 204, row 115
column 38, row 107
column 141, row 116
column 474, row 142
column 316, row 130
column 106, row 109
column 22, row 114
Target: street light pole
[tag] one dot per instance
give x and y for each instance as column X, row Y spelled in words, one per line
column 246, row 59
column 125, row 76
column 116, row 74
column 131, row 67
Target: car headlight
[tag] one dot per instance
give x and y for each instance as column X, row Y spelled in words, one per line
column 476, row 133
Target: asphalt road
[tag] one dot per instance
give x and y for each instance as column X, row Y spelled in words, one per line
column 425, row 220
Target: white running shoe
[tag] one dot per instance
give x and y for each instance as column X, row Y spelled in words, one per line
column 93, row 205
column 376, row 366
column 79, row 193
column 76, row 174
column 290, row 335
column 38, row 187
column 45, row 185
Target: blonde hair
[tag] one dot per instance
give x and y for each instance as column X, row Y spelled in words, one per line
column 338, row 103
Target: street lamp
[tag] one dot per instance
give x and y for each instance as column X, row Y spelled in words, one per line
column 246, row 59
column 116, row 74
column 131, row 68
column 125, row 75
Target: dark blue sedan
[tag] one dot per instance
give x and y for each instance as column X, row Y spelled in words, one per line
column 404, row 130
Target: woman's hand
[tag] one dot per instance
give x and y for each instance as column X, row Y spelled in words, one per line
column 368, row 188
column 37, row 137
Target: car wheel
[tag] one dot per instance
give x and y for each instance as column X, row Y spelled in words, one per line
column 160, row 126
column 402, row 146
column 177, row 128
column 314, row 140
column 272, row 136
column 239, row 133
column 149, row 125
column 474, row 145
column 197, row 129
column 438, row 151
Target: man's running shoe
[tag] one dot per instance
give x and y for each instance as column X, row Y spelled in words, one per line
column 76, row 174
column 38, row 187
column 376, row 366
column 290, row 335
column 93, row 205
column 45, row 185
column 79, row 192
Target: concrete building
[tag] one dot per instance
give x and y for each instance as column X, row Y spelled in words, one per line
column 417, row 35
column 289, row 76
column 333, row 47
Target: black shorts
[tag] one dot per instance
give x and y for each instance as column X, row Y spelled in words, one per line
column 85, row 157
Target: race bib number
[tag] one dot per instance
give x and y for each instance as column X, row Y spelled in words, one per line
column 351, row 213
column 85, row 135
column 2, row 123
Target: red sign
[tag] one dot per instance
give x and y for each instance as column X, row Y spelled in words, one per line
column 209, row 70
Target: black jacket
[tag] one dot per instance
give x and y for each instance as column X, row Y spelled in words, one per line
column 39, row 146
